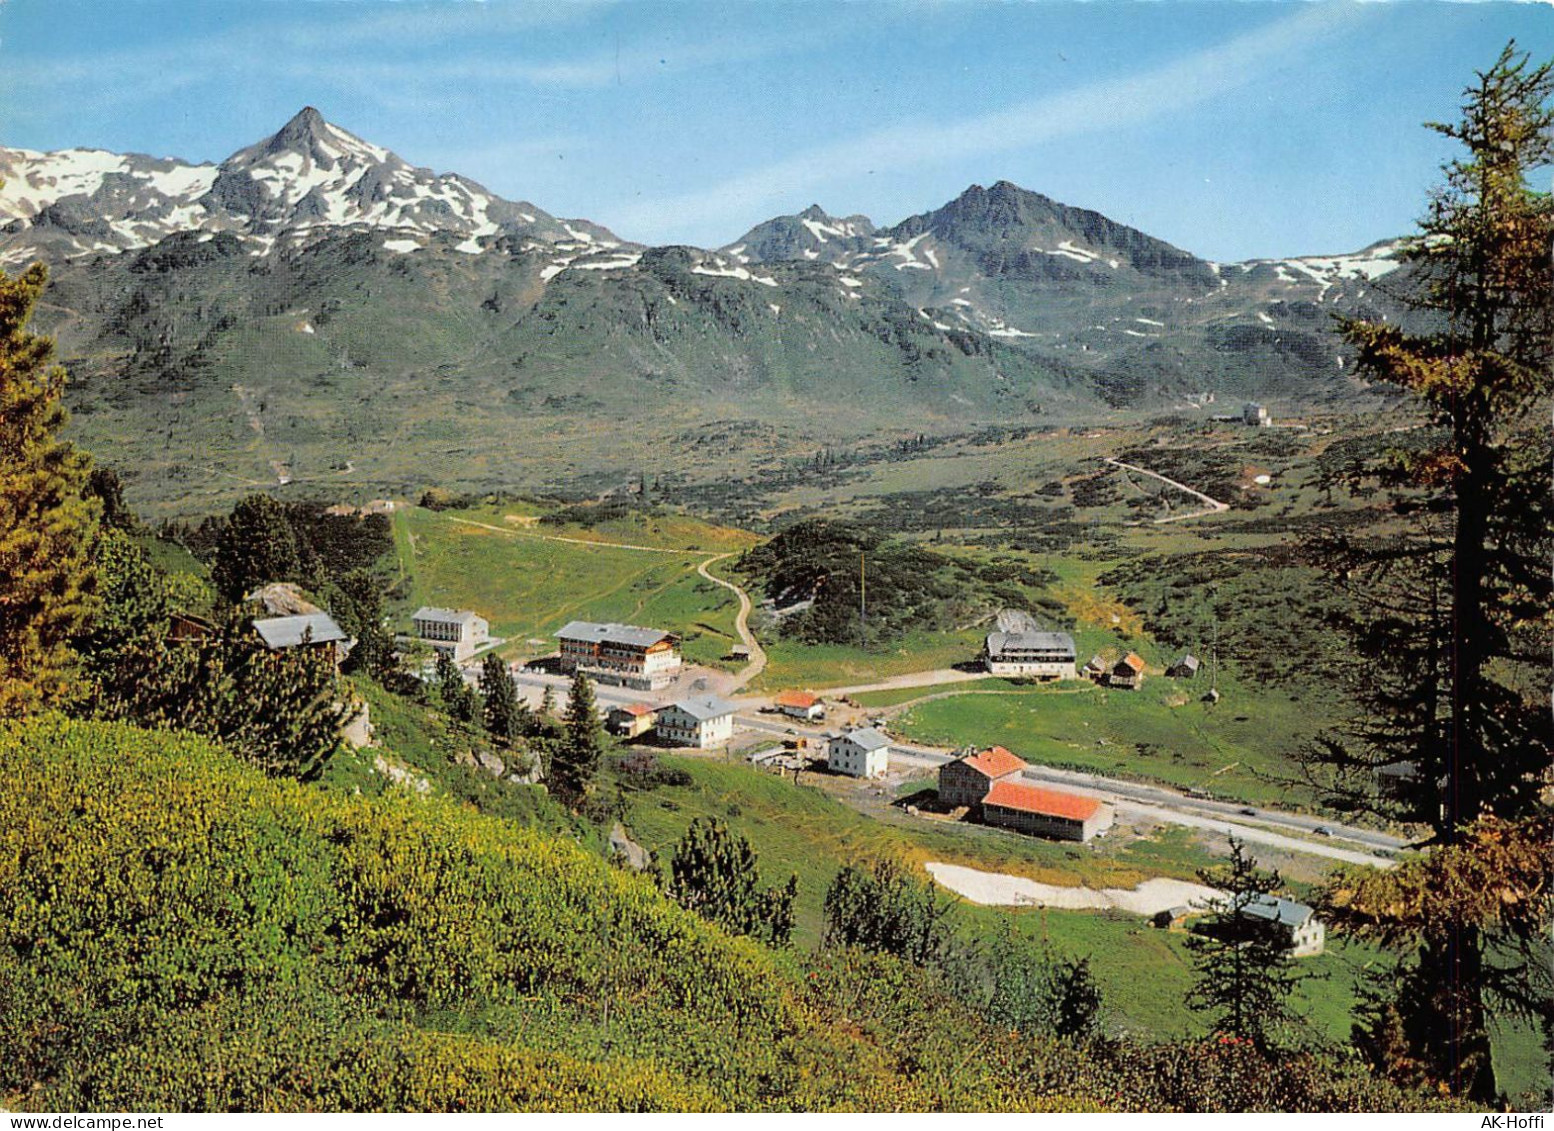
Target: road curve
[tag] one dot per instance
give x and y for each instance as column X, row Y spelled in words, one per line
column 757, row 662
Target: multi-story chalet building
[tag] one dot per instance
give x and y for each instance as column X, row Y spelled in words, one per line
column 861, row 753
column 1041, row 655
column 703, row 721
column 1012, row 804
column 644, row 659
column 967, row 780
column 457, row 632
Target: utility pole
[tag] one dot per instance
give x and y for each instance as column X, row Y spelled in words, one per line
column 863, row 601
column 1214, row 647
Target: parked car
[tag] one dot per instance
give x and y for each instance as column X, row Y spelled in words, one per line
column 1322, row 830
column 1248, row 812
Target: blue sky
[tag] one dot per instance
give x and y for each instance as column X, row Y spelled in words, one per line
column 1233, row 129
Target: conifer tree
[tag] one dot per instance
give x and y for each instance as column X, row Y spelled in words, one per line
column 502, row 710
column 47, row 525
column 458, row 697
column 576, row 759
column 714, row 873
column 357, row 603
column 885, row 909
column 1245, row 971
column 1456, row 611
column 258, row 545
column 1487, row 297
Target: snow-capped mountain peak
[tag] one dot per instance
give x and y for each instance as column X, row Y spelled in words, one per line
column 307, row 178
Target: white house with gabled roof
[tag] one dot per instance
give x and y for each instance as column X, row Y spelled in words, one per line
column 702, row 721
column 862, row 753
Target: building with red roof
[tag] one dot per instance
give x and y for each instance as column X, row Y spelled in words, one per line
column 632, row 720
column 967, row 779
column 1128, row 674
column 1013, row 804
column 800, row 705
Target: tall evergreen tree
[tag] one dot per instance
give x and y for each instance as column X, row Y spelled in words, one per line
column 357, row 603
column 1488, row 296
column 46, row 523
column 1463, row 615
column 257, row 545
column 503, row 711
column 280, row 711
column 132, row 614
column 1245, row 974
column 458, row 697
column 576, row 760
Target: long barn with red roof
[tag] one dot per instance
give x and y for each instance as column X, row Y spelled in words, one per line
column 990, row 782
column 1013, row 804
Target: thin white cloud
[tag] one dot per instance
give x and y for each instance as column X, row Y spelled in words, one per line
column 1096, row 107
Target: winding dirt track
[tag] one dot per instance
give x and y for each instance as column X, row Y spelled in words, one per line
column 1212, row 506
column 757, row 662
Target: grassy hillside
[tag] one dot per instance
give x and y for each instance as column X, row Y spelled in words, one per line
column 164, row 909
column 1239, row 748
column 1143, row 972
column 529, row 578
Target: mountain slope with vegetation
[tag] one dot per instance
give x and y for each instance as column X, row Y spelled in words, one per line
column 164, row 909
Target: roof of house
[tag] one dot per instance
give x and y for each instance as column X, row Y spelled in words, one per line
column 1096, row 661
column 868, row 738
column 1188, row 660
column 596, row 633
column 704, row 707
column 994, row 762
column 1001, row 642
column 289, row 632
column 444, row 616
column 1046, row 802
column 800, row 699
column 1132, row 660
column 635, row 710
column 1277, row 909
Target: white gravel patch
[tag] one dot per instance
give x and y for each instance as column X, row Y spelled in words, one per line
column 998, row 889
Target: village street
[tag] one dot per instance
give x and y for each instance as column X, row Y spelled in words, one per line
column 1128, row 798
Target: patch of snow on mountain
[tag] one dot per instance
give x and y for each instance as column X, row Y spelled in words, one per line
column 849, row 281
column 401, row 246
column 613, row 264
column 1148, row 322
column 1262, row 316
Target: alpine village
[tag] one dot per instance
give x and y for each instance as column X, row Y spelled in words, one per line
column 454, row 657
